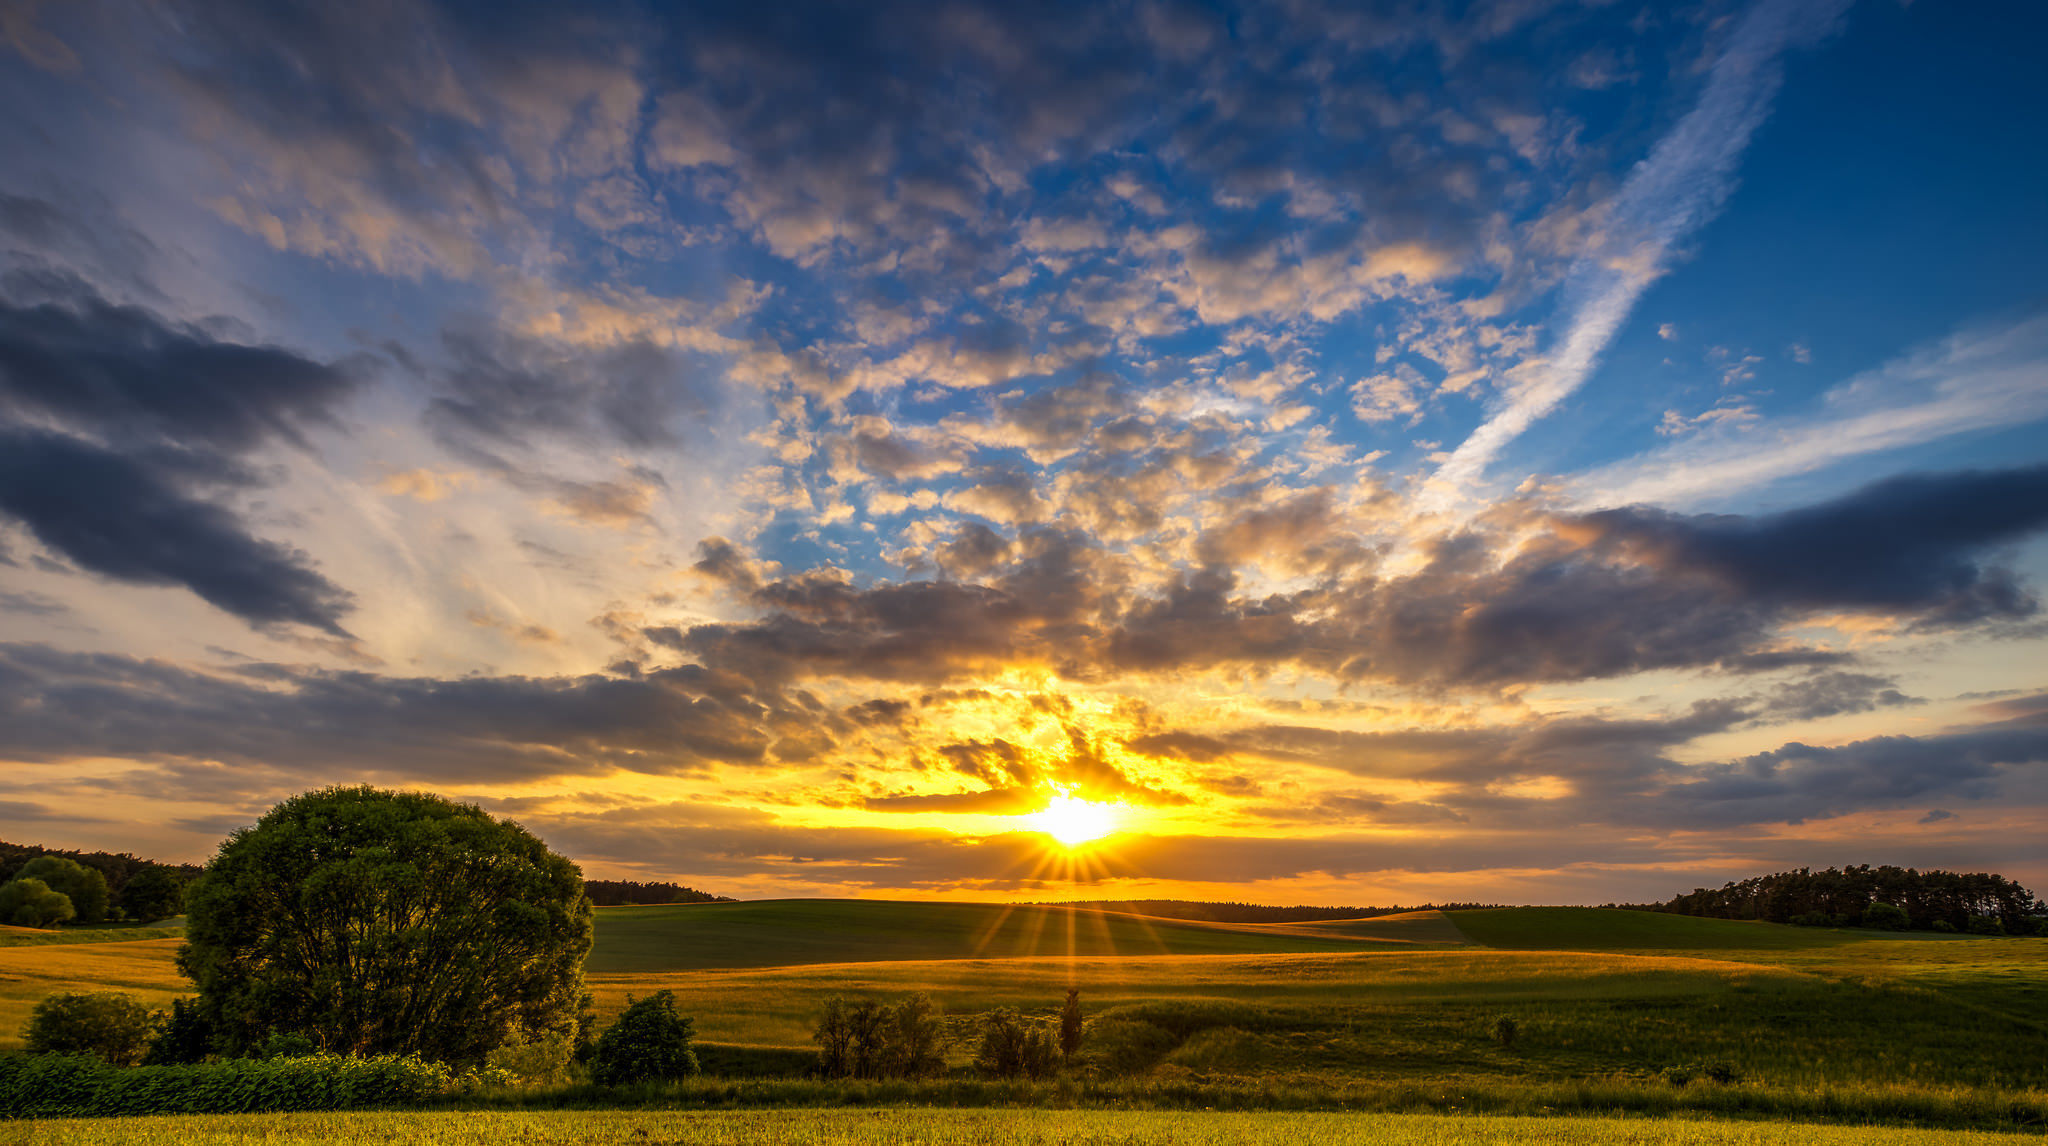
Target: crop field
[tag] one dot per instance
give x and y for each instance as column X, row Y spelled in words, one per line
column 965, row 1127
column 1612, row 1011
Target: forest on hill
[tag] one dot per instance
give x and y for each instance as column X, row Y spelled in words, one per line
column 626, row 892
column 117, row 867
column 1859, row 896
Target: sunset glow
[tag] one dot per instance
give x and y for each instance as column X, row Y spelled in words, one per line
column 1074, row 821
column 1306, row 453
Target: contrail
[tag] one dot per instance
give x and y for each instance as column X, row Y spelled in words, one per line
column 1676, row 189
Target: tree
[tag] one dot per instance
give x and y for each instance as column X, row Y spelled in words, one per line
column 649, row 1042
column 376, row 922
column 1070, row 1024
column 106, row 1024
column 184, row 1036
column 1012, row 1047
column 31, row 903
column 153, row 893
column 86, row 888
column 1886, row 917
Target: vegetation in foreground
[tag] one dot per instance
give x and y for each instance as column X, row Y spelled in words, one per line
column 971, row 1127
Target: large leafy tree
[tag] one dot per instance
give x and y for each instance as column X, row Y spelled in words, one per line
column 31, row 903
column 375, row 922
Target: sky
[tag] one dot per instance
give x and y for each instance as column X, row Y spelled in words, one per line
column 1509, row 451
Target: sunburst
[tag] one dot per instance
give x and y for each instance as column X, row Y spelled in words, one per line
column 1074, row 821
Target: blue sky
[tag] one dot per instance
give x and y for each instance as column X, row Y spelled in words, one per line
column 1518, row 450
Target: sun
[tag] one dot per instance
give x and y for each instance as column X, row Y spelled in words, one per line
column 1074, row 821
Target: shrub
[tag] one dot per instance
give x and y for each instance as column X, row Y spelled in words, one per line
column 1986, row 925
column 1504, row 1030
column 1886, row 917
column 1129, row 1046
column 184, row 1036
column 1813, row 919
column 1014, row 1048
column 540, row 1062
column 79, row 1086
column 1943, row 926
column 108, row 1025
column 869, row 1040
column 31, row 903
column 84, row 886
column 648, row 1042
column 1070, row 1024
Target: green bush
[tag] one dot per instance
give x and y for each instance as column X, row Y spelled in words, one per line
column 1986, row 925
column 85, row 887
column 649, row 1042
column 1012, row 1047
column 870, row 1040
column 107, row 1025
column 541, row 1062
column 184, row 1036
column 1885, row 917
column 32, row 903
column 80, row 1086
column 1943, row 926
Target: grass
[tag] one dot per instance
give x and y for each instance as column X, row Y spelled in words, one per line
column 1614, row 1009
column 977, row 1127
column 793, row 932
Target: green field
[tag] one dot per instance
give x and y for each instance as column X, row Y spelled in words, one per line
column 793, row 932
column 965, row 1127
column 1614, row 1011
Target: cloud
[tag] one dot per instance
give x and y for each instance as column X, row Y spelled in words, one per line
column 164, row 417
column 1907, row 544
column 1985, row 377
column 127, row 521
column 1682, row 184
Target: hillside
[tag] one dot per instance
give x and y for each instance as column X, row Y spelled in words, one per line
column 1618, row 929
column 790, row 932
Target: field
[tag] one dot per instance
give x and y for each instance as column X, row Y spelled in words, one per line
column 977, row 1127
column 1612, row 1011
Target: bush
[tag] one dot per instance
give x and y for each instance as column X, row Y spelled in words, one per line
column 84, row 886
column 1014, row 1048
column 1070, row 1024
column 1813, row 919
column 79, row 1086
column 108, row 1025
column 1504, row 1030
column 1943, row 926
column 1986, row 925
column 184, row 1036
column 31, row 903
column 541, row 1062
column 648, row 1042
column 1885, row 917
column 869, row 1040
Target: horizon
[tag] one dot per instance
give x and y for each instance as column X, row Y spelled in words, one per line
column 1533, row 454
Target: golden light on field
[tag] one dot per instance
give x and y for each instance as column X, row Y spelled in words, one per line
column 1074, row 821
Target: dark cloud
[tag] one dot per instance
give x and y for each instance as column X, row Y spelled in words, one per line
column 125, row 373
column 1833, row 693
column 163, row 416
column 328, row 725
column 127, row 520
column 1910, row 545
column 500, row 390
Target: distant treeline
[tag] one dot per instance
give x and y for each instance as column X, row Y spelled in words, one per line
column 1247, row 912
column 1843, row 896
column 620, row 892
column 118, row 867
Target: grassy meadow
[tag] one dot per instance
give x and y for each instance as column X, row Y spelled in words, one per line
column 963, row 1127
column 1612, row 1011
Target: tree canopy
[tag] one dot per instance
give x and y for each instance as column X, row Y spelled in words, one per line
column 1926, row 897
column 83, row 886
column 31, row 903
column 379, row 922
